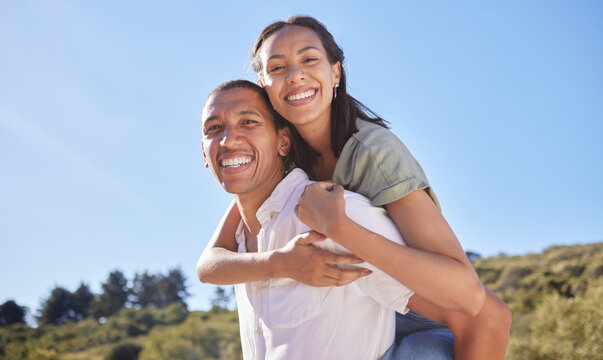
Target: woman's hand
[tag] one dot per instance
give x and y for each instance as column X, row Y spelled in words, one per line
column 303, row 262
column 321, row 206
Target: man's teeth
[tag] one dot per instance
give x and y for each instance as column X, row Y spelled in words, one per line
column 303, row 95
column 235, row 162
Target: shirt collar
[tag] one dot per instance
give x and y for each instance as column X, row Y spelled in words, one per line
column 282, row 192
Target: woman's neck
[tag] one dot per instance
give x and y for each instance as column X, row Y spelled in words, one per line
column 318, row 136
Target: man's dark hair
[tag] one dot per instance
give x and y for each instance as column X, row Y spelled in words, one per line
column 300, row 153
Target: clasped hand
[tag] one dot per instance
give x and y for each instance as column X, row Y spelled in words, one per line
column 312, row 266
column 321, row 207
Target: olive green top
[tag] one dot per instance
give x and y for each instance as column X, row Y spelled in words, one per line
column 376, row 164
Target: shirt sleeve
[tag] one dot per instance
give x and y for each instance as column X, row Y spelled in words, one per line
column 376, row 164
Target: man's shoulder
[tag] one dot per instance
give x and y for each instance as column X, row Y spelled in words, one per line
column 358, row 203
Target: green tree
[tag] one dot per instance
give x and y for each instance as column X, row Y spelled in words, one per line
column 114, row 296
column 11, row 313
column 144, row 289
column 172, row 289
column 58, row 308
column 221, row 298
column 83, row 298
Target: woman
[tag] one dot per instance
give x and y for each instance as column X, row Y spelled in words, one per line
column 300, row 67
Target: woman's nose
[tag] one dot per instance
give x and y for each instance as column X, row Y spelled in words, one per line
column 296, row 74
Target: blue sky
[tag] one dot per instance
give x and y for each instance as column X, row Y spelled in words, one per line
column 100, row 141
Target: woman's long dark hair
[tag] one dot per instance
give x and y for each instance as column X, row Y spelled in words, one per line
column 344, row 108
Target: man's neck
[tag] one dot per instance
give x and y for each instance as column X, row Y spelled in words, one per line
column 250, row 203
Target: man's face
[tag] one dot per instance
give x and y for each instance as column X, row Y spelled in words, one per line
column 240, row 143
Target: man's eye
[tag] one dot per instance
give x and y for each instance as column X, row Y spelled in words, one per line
column 249, row 122
column 211, row 129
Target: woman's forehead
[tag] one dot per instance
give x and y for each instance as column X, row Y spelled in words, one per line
column 291, row 38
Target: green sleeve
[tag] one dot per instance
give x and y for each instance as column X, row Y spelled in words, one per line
column 376, row 164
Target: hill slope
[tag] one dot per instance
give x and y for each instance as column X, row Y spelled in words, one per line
column 555, row 297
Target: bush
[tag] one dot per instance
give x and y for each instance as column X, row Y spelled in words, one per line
column 125, row 351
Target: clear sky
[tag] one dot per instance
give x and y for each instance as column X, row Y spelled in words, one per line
column 100, row 139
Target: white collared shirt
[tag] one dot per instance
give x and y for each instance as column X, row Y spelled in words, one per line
column 285, row 319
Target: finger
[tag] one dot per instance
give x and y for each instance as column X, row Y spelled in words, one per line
column 340, row 277
column 310, row 237
column 335, row 259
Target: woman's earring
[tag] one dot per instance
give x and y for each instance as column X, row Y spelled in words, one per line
column 335, row 90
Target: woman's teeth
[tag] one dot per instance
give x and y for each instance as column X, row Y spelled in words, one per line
column 235, row 162
column 302, row 95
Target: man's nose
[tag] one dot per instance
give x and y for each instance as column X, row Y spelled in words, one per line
column 230, row 137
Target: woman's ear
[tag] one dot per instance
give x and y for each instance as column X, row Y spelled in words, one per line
column 336, row 72
column 260, row 81
column 284, row 137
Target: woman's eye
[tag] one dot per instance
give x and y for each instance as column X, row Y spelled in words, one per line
column 311, row 59
column 274, row 68
column 249, row 122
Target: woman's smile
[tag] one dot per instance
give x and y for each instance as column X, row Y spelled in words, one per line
column 298, row 76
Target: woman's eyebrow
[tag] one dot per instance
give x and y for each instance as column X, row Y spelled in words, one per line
column 279, row 56
column 306, row 48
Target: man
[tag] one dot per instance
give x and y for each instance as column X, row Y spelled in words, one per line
column 246, row 145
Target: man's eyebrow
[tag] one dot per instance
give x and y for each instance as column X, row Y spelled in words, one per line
column 279, row 56
column 249, row 112
column 211, row 118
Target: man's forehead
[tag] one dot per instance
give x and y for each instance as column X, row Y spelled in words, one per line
column 234, row 100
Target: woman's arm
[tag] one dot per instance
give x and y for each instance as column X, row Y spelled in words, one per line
column 436, row 268
column 221, row 264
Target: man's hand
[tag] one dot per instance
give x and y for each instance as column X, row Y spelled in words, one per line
column 303, row 262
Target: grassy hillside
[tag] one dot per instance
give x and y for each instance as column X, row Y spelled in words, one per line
column 555, row 297
column 173, row 333
column 556, row 301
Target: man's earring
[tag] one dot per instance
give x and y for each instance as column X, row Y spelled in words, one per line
column 335, row 90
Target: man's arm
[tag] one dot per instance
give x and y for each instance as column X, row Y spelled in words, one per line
column 221, row 264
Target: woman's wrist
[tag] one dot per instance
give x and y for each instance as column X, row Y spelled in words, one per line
column 336, row 227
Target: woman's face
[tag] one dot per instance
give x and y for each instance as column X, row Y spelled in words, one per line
column 297, row 75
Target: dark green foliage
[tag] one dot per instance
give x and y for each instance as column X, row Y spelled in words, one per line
column 114, row 296
column 125, row 351
column 145, row 289
column 59, row 308
column 11, row 313
column 172, row 289
column 83, row 301
column 159, row 291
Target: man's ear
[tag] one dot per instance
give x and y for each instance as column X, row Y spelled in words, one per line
column 204, row 156
column 336, row 72
column 284, row 137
